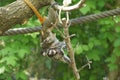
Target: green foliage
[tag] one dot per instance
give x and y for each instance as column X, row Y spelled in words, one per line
column 98, row 40
column 5, row 2
column 21, row 75
column 2, row 69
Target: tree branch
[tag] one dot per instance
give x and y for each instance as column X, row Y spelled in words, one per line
column 88, row 64
column 68, row 8
column 70, row 49
column 18, row 12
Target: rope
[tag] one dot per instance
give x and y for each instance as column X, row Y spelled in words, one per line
column 79, row 20
column 21, row 31
column 95, row 16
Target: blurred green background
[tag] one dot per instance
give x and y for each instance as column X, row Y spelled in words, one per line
column 20, row 57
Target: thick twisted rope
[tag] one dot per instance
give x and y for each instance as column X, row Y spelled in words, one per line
column 72, row 21
column 95, row 16
column 21, row 31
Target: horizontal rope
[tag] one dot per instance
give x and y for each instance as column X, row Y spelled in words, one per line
column 94, row 17
column 79, row 20
column 21, row 31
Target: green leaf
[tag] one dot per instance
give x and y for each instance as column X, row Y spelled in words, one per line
column 91, row 4
column 117, row 42
column 97, row 42
column 33, row 35
column 21, row 76
column 94, row 55
column 112, row 66
column 117, row 28
column 85, row 47
column 22, row 53
column 85, row 10
column 101, row 3
column 117, row 51
column 75, row 41
column 2, row 70
column 90, row 45
column 111, row 59
column 79, row 49
column 6, row 51
column 110, row 36
column 11, row 60
column 117, row 19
